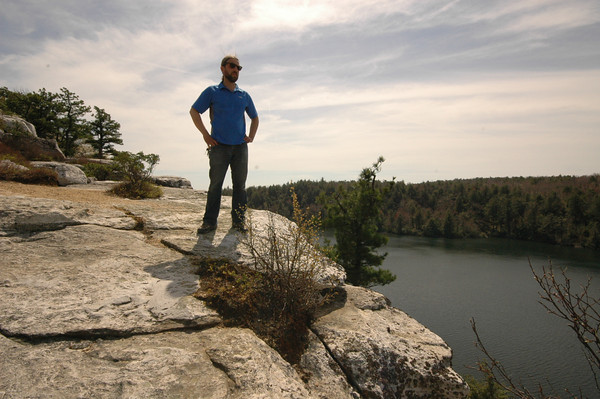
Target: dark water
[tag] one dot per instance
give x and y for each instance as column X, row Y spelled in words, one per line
column 445, row 283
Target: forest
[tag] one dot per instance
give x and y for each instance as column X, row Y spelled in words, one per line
column 562, row 210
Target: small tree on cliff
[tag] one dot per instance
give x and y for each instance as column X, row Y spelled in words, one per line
column 105, row 132
column 354, row 213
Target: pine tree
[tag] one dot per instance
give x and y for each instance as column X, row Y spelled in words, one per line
column 105, row 132
column 354, row 213
column 72, row 123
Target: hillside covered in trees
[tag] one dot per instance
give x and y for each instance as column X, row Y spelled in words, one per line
column 561, row 210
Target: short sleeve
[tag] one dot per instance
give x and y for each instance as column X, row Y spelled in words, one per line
column 204, row 100
column 251, row 109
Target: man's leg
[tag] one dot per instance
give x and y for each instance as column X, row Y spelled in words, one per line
column 219, row 163
column 239, row 172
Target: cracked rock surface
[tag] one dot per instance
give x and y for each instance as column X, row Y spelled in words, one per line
column 96, row 302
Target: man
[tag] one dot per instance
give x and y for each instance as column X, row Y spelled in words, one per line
column 227, row 142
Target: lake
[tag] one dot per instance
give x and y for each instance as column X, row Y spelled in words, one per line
column 444, row 283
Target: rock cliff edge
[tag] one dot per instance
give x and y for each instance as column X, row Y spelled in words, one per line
column 96, row 295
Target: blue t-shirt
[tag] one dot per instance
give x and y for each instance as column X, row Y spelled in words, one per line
column 227, row 110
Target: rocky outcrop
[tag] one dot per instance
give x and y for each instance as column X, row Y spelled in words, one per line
column 97, row 301
column 385, row 352
column 33, row 147
column 21, row 135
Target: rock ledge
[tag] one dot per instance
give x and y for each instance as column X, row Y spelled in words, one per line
column 97, row 302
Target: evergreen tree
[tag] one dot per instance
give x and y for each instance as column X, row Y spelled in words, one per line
column 449, row 226
column 105, row 132
column 354, row 213
column 72, row 124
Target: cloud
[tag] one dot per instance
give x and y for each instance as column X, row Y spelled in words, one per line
column 297, row 16
column 508, row 123
column 441, row 89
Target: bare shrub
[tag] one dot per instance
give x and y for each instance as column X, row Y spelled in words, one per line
column 43, row 176
column 581, row 311
column 13, row 155
column 278, row 297
column 14, row 167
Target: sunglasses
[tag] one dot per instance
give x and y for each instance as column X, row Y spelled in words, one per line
column 232, row 65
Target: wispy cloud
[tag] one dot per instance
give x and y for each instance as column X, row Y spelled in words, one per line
column 441, row 89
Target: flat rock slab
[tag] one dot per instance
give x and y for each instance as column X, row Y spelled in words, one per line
column 217, row 363
column 85, row 280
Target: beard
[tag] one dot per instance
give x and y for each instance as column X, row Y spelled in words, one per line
column 231, row 78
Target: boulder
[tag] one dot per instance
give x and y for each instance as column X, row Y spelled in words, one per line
column 172, row 181
column 33, row 147
column 97, row 301
column 10, row 166
column 83, row 149
column 67, row 174
column 16, row 125
column 19, row 134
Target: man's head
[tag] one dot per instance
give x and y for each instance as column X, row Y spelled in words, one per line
column 230, row 67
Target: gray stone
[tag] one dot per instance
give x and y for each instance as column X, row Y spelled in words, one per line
column 84, row 149
column 67, row 174
column 172, row 181
column 16, row 125
column 20, row 135
column 7, row 165
column 73, row 282
column 256, row 370
column 21, row 214
column 323, row 375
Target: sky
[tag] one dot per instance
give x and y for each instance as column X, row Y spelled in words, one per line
column 442, row 90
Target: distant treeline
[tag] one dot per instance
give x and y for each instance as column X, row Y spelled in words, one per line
column 561, row 210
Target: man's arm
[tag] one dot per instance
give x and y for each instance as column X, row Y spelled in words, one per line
column 200, row 126
column 253, row 128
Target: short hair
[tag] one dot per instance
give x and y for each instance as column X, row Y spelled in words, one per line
column 227, row 58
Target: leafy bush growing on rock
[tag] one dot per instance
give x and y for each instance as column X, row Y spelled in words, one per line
column 102, row 171
column 136, row 170
column 485, row 389
column 279, row 296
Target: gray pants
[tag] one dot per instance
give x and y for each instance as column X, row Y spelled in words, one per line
column 222, row 157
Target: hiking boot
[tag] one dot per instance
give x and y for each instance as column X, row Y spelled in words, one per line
column 207, row 228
